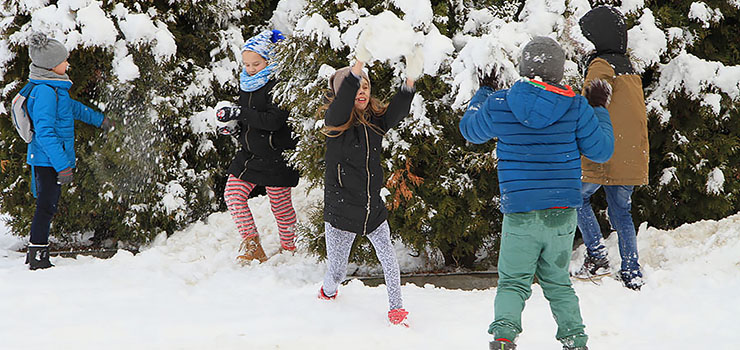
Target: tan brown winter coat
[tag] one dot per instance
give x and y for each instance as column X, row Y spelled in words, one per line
column 629, row 164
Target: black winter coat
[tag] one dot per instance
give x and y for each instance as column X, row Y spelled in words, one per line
column 264, row 135
column 354, row 177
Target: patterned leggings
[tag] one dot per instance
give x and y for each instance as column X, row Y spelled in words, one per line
column 338, row 245
column 236, row 196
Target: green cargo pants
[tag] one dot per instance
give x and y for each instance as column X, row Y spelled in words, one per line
column 537, row 243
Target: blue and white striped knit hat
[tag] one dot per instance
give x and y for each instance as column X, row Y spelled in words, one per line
column 262, row 43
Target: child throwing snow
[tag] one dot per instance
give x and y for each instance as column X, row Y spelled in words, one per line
column 542, row 130
column 51, row 152
column 604, row 26
column 355, row 123
column 263, row 133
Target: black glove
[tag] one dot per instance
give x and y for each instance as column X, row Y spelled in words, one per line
column 598, row 93
column 490, row 79
column 65, row 176
column 107, row 124
column 225, row 114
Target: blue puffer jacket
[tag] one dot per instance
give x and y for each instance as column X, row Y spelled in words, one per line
column 53, row 114
column 541, row 136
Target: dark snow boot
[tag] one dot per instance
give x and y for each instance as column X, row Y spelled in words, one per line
column 631, row 279
column 38, row 256
column 593, row 268
column 501, row 344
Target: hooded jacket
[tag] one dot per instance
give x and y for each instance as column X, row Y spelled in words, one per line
column 605, row 28
column 541, row 136
column 264, row 135
column 354, row 177
column 53, row 113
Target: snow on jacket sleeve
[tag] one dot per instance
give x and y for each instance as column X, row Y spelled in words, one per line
column 86, row 114
column 594, row 133
column 340, row 109
column 44, row 118
column 476, row 124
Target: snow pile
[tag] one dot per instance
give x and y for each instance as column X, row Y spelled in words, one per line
column 187, row 292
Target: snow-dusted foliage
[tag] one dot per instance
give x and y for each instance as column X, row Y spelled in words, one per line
column 157, row 70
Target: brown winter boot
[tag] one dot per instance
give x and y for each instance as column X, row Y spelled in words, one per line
column 252, row 250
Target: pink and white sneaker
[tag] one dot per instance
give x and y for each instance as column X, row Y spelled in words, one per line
column 398, row 317
column 323, row 296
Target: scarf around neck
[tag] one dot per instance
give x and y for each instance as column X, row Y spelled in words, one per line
column 39, row 73
column 249, row 83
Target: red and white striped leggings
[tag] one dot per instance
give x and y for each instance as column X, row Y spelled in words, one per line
column 236, row 196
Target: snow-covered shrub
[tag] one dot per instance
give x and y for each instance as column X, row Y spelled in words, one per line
column 156, row 69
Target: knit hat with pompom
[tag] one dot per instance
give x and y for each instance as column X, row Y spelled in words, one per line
column 45, row 52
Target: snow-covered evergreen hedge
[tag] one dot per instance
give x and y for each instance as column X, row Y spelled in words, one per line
column 159, row 67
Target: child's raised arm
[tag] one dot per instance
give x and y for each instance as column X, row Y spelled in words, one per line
column 340, row 109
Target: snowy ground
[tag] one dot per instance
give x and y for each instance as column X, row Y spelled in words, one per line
column 187, row 292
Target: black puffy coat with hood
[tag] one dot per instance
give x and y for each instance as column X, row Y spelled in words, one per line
column 264, row 135
column 604, row 27
column 354, row 176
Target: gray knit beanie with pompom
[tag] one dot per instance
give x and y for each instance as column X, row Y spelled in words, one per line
column 542, row 57
column 45, row 52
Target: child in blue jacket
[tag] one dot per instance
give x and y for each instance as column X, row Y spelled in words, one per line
column 542, row 129
column 51, row 153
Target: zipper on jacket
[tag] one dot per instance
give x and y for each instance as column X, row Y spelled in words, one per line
column 246, row 139
column 367, row 168
column 339, row 174
column 245, row 166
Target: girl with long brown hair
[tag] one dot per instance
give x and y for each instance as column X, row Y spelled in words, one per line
column 355, row 123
